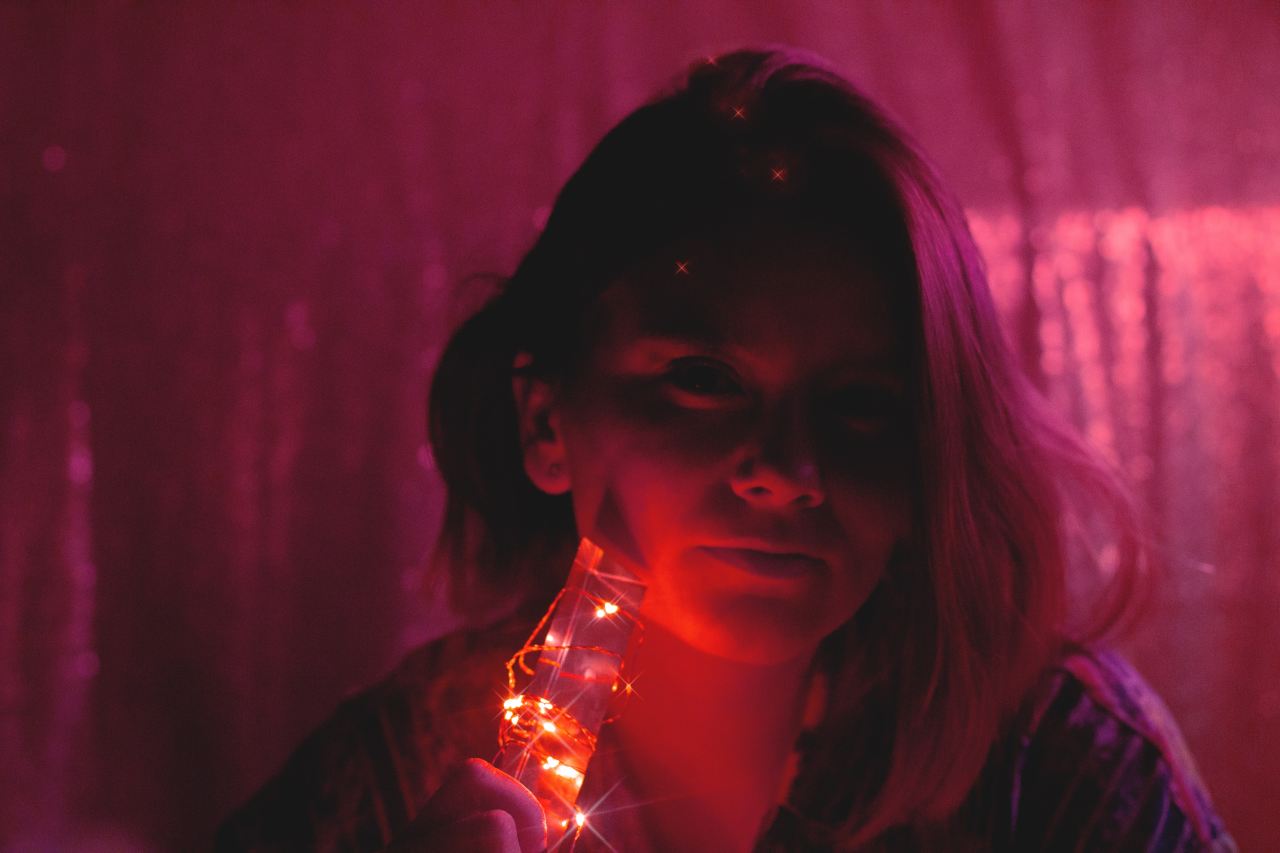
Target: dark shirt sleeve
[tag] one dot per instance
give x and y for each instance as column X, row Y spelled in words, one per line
column 1103, row 767
column 337, row 793
column 357, row 781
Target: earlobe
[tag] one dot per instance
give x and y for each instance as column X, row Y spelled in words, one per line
column 538, row 421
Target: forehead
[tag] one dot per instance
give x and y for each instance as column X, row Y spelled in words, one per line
column 779, row 292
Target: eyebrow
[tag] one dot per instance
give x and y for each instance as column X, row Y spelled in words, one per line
column 694, row 334
column 886, row 364
column 693, row 326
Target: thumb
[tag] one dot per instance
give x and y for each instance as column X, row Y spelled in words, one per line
column 476, row 787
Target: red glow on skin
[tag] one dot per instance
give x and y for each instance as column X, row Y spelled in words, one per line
column 780, row 174
column 699, row 444
column 738, row 112
column 682, row 268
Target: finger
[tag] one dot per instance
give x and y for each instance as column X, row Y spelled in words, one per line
column 476, row 786
column 487, row 832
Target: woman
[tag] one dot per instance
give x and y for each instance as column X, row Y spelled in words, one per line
column 754, row 353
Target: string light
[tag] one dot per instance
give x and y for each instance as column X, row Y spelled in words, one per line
column 549, row 728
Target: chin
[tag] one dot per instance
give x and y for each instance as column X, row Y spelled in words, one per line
column 759, row 631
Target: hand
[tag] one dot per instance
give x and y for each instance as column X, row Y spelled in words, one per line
column 477, row 809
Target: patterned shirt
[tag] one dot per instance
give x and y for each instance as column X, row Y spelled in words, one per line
column 1095, row 763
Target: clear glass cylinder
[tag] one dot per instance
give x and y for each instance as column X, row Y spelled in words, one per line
column 550, row 725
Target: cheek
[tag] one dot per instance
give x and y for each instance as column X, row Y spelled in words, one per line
column 870, row 486
column 636, row 435
column 638, row 474
column 871, row 497
column 667, row 433
column 872, row 513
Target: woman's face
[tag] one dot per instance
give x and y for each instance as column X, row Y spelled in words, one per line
column 741, row 395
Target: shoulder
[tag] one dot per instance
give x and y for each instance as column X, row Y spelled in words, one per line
column 356, row 780
column 1099, row 762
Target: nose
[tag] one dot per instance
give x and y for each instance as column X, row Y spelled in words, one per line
column 780, row 466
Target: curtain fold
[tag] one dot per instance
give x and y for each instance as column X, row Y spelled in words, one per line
column 236, row 237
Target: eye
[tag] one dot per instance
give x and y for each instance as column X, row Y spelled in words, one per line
column 702, row 377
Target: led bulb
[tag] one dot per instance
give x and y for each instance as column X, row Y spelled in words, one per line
column 579, row 666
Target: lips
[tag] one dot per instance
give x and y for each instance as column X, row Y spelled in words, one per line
column 768, row 564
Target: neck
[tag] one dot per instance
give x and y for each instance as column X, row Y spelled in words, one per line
column 680, row 687
column 709, row 738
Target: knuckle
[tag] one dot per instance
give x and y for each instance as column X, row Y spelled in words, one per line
column 494, row 829
column 473, row 769
column 494, row 822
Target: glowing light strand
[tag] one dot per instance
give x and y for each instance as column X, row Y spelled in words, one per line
column 548, row 730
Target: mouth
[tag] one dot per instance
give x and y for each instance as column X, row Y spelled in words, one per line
column 768, row 564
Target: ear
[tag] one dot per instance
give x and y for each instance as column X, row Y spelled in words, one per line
column 538, row 420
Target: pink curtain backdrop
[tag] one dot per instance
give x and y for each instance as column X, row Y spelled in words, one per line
column 234, row 238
